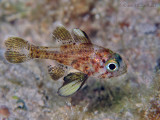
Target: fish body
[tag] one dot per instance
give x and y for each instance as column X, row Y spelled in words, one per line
column 76, row 51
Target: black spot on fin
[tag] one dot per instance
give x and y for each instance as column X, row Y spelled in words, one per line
column 61, row 34
column 80, row 36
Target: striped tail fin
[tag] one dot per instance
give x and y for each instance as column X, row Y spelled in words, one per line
column 17, row 50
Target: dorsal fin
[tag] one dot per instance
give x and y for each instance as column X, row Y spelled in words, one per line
column 80, row 36
column 61, row 34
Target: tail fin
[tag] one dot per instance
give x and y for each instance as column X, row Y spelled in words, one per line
column 17, row 50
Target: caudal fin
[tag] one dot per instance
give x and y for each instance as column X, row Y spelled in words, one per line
column 17, row 50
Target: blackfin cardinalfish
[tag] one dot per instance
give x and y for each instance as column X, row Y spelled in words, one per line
column 76, row 50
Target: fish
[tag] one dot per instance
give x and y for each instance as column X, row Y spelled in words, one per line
column 76, row 51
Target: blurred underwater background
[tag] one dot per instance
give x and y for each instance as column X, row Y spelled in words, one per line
column 130, row 28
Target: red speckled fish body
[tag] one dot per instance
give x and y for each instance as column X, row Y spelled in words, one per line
column 85, row 57
column 76, row 50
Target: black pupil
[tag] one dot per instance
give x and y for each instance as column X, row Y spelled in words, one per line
column 112, row 66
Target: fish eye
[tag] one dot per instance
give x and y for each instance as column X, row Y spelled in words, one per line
column 112, row 65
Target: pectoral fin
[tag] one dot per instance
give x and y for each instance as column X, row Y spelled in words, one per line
column 72, row 83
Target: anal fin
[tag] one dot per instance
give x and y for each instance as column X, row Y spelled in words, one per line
column 56, row 72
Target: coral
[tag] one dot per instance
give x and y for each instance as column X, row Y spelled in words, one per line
column 153, row 113
column 4, row 111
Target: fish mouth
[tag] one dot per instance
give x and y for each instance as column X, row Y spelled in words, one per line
column 123, row 71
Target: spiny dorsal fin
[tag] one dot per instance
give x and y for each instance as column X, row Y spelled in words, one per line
column 72, row 83
column 61, row 34
column 80, row 36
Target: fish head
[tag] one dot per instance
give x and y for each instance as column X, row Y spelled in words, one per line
column 113, row 66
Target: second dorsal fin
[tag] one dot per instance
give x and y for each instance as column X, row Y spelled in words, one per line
column 61, row 34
